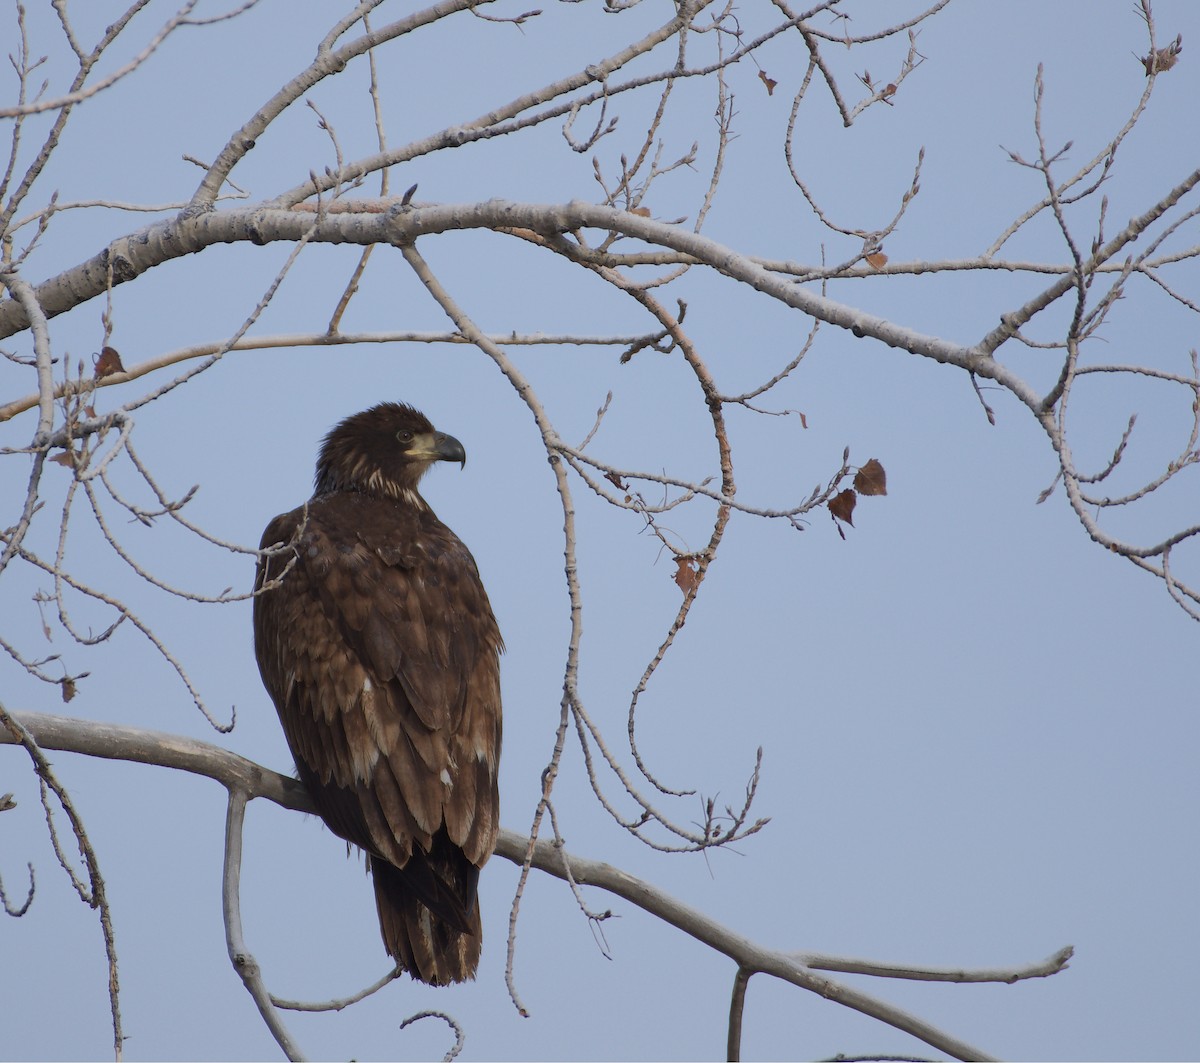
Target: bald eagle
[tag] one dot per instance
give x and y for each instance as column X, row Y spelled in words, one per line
column 378, row 646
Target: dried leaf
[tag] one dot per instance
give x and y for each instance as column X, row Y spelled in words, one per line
column 68, row 688
column 871, row 479
column 107, row 363
column 842, row 505
column 769, row 82
column 889, row 90
column 877, row 260
column 687, row 574
column 1164, row 58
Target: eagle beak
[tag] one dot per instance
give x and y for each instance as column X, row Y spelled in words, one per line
column 447, row 448
column 436, row 446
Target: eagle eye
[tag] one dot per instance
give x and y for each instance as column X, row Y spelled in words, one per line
column 404, row 435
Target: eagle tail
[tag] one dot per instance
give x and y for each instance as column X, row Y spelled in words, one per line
column 429, row 947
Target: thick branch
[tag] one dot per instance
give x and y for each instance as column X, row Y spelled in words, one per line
column 159, row 243
column 115, row 742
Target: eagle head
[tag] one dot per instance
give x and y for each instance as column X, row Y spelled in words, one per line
column 383, row 451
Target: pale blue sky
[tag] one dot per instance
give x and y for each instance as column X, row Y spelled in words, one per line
column 979, row 728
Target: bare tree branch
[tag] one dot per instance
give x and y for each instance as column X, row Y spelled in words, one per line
column 246, row 780
column 1042, row 314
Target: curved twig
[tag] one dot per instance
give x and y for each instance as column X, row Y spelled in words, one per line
column 231, row 906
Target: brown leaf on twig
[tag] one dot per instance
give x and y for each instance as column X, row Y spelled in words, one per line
column 769, row 82
column 842, row 505
column 107, row 362
column 877, row 260
column 1164, row 58
column 68, row 688
column 687, row 573
column 871, row 479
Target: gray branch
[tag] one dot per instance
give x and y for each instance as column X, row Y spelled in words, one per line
column 248, row 779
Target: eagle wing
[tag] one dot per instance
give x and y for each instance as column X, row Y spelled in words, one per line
column 378, row 645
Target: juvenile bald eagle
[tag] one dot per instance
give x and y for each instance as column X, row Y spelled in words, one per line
column 377, row 643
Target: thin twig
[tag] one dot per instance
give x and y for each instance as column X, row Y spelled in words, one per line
column 242, row 959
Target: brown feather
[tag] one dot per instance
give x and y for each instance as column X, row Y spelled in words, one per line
column 380, row 651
